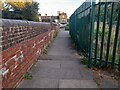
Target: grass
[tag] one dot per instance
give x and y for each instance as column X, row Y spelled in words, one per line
column 55, row 34
column 28, row 76
column 67, row 27
column 74, row 46
column 84, row 61
column 46, row 49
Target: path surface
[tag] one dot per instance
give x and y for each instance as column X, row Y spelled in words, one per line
column 60, row 68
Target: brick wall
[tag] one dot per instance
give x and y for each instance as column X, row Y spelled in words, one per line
column 21, row 42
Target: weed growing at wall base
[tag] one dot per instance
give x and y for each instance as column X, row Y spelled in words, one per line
column 28, row 76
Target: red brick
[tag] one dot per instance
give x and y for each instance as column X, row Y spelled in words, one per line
column 29, row 55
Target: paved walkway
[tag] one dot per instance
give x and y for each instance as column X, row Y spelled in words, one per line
column 60, row 68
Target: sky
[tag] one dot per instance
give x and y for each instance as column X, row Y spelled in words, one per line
column 52, row 6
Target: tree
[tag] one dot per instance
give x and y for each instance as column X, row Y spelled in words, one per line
column 18, row 10
column 0, row 5
column 30, row 12
column 18, row 3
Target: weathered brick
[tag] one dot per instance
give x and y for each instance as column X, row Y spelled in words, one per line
column 21, row 46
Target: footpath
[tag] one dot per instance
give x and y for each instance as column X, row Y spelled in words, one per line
column 60, row 68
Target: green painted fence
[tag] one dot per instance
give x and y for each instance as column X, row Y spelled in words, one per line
column 94, row 29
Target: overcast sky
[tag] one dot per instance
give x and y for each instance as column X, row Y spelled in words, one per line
column 52, row 6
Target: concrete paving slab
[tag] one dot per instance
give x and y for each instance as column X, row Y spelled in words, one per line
column 38, row 82
column 73, row 64
column 56, row 73
column 77, row 84
column 61, row 45
column 59, row 57
column 51, row 73
column 106, row 83
column 86, row 73
column 71, row 74
column 48, row 64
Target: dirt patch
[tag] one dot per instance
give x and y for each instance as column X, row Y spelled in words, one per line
column 106, row 79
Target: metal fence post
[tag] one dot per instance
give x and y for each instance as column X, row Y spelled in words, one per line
column 91, row 34
column 116, row 39
column 109, row 34
column 98, row 24
column 103, row 32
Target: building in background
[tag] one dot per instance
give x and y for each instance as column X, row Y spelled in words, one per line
column 44, row 18
column 47, row 18
column 60, row 18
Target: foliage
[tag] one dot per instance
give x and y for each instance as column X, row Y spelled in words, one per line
column 102, row 9
column 18, row 10
column 0, row 4
column 46, row 49
column 16, row 4
column 28, row 76
column 67, row 27
column 19, row 3
column 55, row 34
column 84, row 61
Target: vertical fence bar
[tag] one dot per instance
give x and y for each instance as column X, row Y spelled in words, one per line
column 119, row 64
column 103, row 33
column 119, row 54
column 116, row 40
column 91, row 34
column 75, row 30
column 96, row 43
column 109, row 34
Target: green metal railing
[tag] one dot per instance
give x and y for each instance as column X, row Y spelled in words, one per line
column 95, row 30
column 80, row 35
